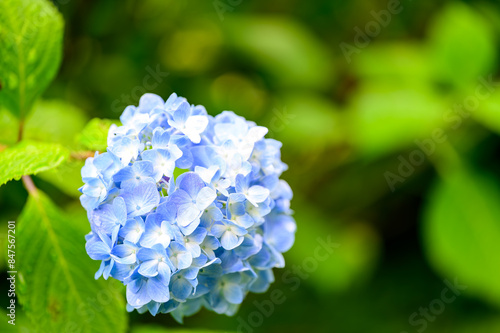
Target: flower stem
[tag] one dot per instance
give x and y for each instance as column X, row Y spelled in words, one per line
column 29, row 185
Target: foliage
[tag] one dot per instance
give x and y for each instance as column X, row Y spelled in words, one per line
column 29, row 158
column 31, row 44
column 95, row 134
column 55, row 287
column 344, row 125
column 454, row 208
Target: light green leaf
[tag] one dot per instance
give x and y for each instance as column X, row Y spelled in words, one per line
column 462, row 44
column 31, row 34
column 54, row 121
column 305, row 121
column 461, row 229
column 66, row 177
column 94, row 135
column 488, row 112
column 282, row 47
column 399, row 61
column 56, row 277
column 29, row 158
column 9, row 127
column 386, row 116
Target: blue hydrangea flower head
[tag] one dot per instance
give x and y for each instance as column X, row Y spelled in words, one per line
column 204, row 238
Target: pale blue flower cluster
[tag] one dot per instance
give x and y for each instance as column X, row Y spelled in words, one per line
column 186, row 209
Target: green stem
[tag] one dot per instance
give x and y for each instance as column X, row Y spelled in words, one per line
column 30, row 186
column 21, row 130
column 82, row 155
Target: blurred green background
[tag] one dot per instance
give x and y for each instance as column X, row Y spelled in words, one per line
column 391, row 136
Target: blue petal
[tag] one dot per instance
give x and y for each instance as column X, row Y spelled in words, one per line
column 149, row 268
column 148, row 102
column 132, row 230
column 181, row 288
column 229, row 240
column 120, row 210
column 124, row 253
column 137, row 294
column 241, row 184
column 205, row 197
column 218, row 229
column 153, row 307
column 145, row 254
column 161, row 138
column 191, row 183
column 188, row 230
column 142, row 199
column 280, row 232
column 233, row 293
column 157, row 290
column 164, row 271
column 182, row 113
column 97, row 250
column 257, row 194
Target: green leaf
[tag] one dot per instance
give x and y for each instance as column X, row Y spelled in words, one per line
column 282, row 47
column 54, row 121
column 386, row 117
column 462, row 45
column 461, row 229
column 488, row 112
column 56, row 277
column 29, row 158
column 305, row 121
column 400, row 61
column 94, row 136
column 31, row 34
column 66, row 177
column 9, row 127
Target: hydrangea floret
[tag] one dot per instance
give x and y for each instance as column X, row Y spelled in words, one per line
column 186, row 209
